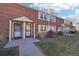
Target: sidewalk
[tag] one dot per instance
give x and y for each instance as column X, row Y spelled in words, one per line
column 26, row 47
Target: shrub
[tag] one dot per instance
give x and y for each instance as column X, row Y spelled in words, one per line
column 13, row 51
column 50, row 34
column 72, row 32
column 40, row 34
column 60, row 33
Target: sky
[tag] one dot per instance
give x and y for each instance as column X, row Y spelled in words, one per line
column 64, row 10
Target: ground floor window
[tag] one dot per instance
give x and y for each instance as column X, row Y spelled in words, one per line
column 44, row 28
column 41, row 28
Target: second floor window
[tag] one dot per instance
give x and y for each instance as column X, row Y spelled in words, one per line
column 44, row 16
column 41, row 16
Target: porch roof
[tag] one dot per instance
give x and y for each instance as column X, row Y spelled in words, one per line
column 22, row 18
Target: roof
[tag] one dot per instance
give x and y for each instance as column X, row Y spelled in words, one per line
column 22, row 18
column 35, row 9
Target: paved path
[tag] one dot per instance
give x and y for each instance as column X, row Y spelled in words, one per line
column 26, row 47
column 72, row 34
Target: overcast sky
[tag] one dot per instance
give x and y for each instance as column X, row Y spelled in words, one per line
column 63, row 10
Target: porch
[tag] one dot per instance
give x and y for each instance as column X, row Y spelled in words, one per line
column 21, row 27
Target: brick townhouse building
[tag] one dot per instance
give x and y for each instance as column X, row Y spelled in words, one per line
column 67, row 27
column 20, row 21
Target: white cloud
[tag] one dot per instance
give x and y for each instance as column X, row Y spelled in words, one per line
column 77, row 12
column 47, row 1
column 61, row 6
column 76, row 15
column 74, row 18
column 56, row 6
column 65, row 17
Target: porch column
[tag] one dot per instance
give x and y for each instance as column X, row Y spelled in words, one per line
column 23, row 30
column 10, row 29
column 34, row 30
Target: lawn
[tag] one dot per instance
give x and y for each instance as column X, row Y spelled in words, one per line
column 76, row 33
column 65, row 46
column 13, row 51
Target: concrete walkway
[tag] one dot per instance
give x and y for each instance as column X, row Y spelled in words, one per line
column 26, row 47
column 72, row 34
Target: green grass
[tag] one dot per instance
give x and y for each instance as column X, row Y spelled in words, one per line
column 77, row 33
column 13, row 51
column 65, row 46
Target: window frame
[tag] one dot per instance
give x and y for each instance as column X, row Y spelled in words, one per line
column 45, row 16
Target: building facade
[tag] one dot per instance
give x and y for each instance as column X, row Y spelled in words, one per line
column 67, row 27
column 18, row 21
column 77, row 26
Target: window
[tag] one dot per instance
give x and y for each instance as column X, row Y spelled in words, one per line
column 53, row 28
column 45, row 28
column 50, row 18
column 41, row 16
column 45, row 16
column 41, row 28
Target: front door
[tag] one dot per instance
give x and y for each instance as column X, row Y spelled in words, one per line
column 17, row 30
column 28, row 30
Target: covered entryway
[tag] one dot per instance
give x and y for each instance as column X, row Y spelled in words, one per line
column 17, row 30
column 21, row 27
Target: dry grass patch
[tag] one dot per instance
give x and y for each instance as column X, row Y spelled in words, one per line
column 65, row 46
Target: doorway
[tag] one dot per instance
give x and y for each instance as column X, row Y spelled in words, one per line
column 17, row 30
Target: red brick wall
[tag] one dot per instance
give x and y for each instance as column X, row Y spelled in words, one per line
column 58, row 22
column 9, row 11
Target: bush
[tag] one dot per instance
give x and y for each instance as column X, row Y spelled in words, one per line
column 72, row 32
column 13, row 51
column 50, row 34
column 60, row 33
column 40, row 34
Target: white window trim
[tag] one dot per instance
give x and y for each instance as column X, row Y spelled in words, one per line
column 47, row 16
column 47, row 28
column 39, row 27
